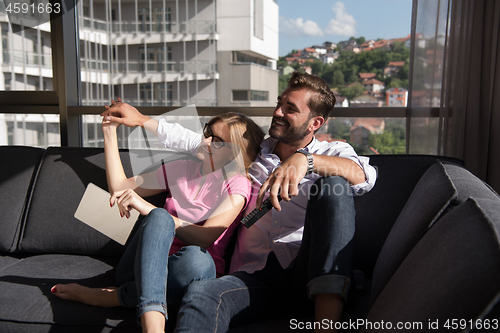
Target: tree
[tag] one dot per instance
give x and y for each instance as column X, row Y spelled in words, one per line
column 352, row 91
column 283, row 82
column 339, row 128
column 282, row 62
column 317, row 67
column 338, row 78
column 361, row 40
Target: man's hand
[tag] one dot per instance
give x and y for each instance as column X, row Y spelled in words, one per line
column 124, row 113
column 287, row 177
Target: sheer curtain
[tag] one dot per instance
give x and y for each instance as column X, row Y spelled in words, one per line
column 456, row 69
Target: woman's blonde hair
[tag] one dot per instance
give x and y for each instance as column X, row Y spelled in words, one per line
column 246, row 134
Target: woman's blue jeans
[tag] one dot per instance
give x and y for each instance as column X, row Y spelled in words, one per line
column 148, row 278
column 323, row 266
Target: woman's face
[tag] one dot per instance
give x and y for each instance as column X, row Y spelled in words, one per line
column 217, row 136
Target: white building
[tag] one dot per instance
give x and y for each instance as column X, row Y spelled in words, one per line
column 155, row 53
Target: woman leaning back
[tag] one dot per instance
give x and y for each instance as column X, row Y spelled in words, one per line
column 186, row 240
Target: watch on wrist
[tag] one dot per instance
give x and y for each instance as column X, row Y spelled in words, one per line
column 310, row 161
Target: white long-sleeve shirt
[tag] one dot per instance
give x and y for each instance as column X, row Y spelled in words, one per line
column 278, row 232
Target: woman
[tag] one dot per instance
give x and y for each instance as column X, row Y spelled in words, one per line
column 186, row 240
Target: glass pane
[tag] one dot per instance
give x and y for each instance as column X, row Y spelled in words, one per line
column 36, row 130
column 141, row 44
column 360, row 55
column 368, row 136
column 430, row 40
column 25, row 53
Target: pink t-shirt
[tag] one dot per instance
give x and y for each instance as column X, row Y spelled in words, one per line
column 194, row 200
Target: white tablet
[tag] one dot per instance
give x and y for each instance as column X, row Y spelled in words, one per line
column 95, row 211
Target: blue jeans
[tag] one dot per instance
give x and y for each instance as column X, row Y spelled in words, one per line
column 323, row 265
column 148, row 278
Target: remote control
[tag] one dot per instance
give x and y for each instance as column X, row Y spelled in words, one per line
column 257, row 213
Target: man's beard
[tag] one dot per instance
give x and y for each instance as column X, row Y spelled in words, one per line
column 291, row 134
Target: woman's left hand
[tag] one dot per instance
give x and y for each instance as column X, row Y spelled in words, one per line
column 128, row 200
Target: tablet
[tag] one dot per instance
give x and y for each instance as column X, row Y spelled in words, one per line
column 95, row 211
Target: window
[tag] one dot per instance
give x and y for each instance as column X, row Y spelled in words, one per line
column 25, row 57
column 257, row 95
column 240, row 95
column 243, row 58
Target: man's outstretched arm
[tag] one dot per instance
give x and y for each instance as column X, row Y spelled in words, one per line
column 172, row 136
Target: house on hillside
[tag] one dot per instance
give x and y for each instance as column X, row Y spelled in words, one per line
column 392, row 68
column 308, row 52
column 366, row 76
column 341, row 102
column 330, row 47
column 320, row 49
column 287, row 70
column 373, row 85
column 363, row 127
column 396, row 97
column 307, row 69
column 403, row 40
column 366, row 100
column 368, row 44
column 382, row 44
column 327, row 58
column 351, row 43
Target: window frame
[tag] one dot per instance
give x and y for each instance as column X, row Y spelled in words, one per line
column 64, row 99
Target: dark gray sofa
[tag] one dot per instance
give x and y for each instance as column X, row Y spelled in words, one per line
column 427, row 246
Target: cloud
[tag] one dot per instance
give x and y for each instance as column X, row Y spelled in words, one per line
column 343, row 24
column 299, row 27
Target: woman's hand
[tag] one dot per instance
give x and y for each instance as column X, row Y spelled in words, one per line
column 125, row 114
column 107, row 122
column 128, row 200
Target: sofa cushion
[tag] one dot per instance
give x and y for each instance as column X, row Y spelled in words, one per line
column 452, row 272
column 440, row 189
column 377, row 210
column 25, row 296
column 50, row 224
column 429, row 199
column 17, row 167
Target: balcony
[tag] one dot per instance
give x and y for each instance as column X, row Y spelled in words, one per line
column 186, row 27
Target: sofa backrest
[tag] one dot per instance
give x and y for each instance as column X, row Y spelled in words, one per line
column 377, row 210
column 18, row 166
column 452, row 272
column 441, row 188
column 50, row 225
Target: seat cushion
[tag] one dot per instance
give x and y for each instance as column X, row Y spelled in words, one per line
column 25, row 296
column 453, row 271
column 17, row 167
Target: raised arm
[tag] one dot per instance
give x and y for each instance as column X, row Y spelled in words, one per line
column 145, row 185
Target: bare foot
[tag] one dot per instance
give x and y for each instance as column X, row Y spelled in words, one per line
column 105, row 297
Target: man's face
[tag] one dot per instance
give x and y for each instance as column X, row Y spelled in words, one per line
column 291, row 117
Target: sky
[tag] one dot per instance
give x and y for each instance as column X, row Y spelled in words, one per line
column 312, row 22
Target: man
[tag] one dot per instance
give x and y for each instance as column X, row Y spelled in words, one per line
column 303, row 248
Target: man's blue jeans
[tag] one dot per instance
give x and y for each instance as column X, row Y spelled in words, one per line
column 148, row 277
column 323, row 265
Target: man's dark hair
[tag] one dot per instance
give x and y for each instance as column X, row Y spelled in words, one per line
column 322, row 102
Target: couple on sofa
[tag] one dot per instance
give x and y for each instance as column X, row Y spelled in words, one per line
column 295, row 261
